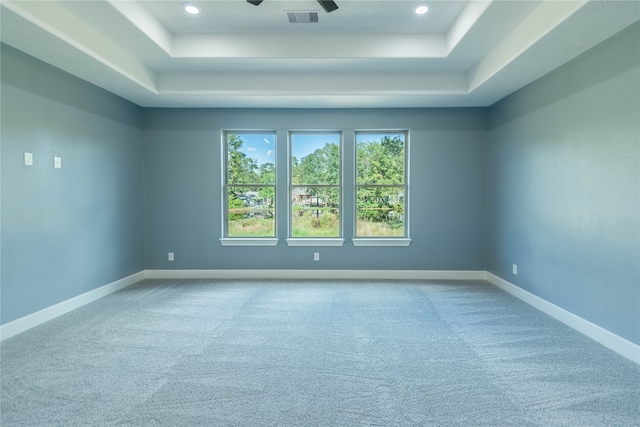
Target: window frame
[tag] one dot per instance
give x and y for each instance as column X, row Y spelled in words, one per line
column 227, row 240
column 316, row 240
column 405, row 239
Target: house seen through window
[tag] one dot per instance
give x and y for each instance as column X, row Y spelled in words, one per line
column 250, row 183
column 315, row 190
column 315, row 194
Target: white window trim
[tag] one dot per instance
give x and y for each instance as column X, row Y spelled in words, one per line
column 249, row 241
column 315, row 241
column 381, row 241
column 242, row 241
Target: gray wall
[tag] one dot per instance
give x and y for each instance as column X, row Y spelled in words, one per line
column 563, row 188
column 183, row 186
column 65, row 231
column 547, row 179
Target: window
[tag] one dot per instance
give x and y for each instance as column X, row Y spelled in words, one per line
column 249, row 185
column 378, row 202
column 315, row 186
column 381, row 185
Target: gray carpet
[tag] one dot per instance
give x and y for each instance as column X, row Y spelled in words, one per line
column 322, row 353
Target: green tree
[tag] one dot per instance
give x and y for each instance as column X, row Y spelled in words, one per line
column 235, row 205
column 242, row 169
column 380, row 162
column 267, row 173
column 322, row 167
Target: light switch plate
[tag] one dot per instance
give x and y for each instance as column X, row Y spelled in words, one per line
column 28, row 159
column 57, row 162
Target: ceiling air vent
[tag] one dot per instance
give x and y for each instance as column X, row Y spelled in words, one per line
column 302, row 17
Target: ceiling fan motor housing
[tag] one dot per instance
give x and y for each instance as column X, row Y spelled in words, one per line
column 327, row 5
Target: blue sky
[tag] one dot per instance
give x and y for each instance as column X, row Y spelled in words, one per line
column 262, row 147
column 306, row 143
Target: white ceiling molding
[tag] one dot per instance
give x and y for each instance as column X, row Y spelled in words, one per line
column 594, row 21
column 148, row 24
column 66, row 27
column 368, row 53
column 293, row 84
column 469, row 16
column 531, row 30
column 309, row 46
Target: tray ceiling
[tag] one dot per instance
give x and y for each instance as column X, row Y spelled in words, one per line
column 364, row 54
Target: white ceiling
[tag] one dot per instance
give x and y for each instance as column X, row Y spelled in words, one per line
column 368, row 53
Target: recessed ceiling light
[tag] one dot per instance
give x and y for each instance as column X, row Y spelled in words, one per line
column 191, row 8
column 422, row 9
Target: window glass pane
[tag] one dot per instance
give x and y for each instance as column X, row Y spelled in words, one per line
column 381, row 184
column 315, row 212
column 315, row 158
column 251, row 212
column 251, row 158
column 250, row 184
column 315, row 184
column 380, row 158
column 380, row 211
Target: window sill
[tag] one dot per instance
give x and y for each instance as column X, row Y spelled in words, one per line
column 381, row 242
column 249, row 241
column 315, row 241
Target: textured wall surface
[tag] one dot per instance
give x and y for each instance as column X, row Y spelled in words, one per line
column 563, row 194
column 184, row 181
column 548, row 179
column 70, row 230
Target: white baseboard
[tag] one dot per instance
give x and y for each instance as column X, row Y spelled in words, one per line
column 608, row 339
column 597, row 333
column 317, row 274
column 27, row 322
column 32, row 320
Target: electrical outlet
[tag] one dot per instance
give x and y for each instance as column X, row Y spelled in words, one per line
column 316, row 256
column 515, row 269
column 171, row 257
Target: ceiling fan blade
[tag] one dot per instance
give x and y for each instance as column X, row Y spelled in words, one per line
column 328, row 5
